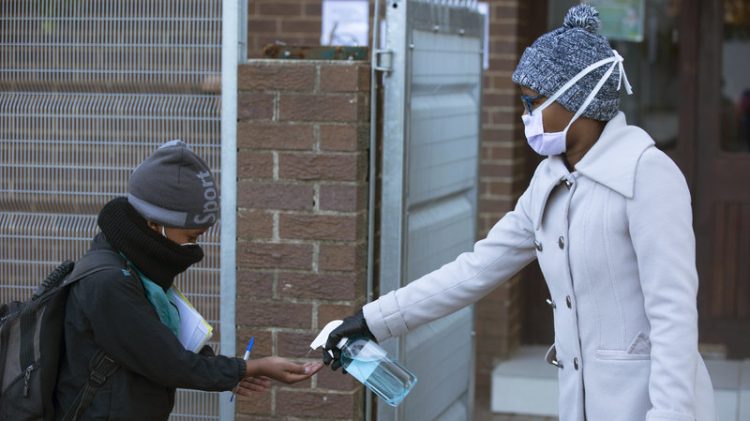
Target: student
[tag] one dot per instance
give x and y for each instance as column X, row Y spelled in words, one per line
column 172, row 200
column 608, row 217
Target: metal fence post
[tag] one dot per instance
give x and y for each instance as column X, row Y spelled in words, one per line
column 229, row 63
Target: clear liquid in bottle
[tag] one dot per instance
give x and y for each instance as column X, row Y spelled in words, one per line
column 366, row 361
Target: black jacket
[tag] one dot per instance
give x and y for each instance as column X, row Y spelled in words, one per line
column 109, row 311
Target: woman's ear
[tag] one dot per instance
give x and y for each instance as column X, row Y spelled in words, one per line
column 154, row 226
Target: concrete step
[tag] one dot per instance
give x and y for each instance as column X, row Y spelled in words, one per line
column 527, row 385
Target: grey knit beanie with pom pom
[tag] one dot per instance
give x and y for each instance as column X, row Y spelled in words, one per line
column 557, row 56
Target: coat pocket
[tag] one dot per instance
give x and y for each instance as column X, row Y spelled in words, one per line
column 617, row 387
column 638, row 349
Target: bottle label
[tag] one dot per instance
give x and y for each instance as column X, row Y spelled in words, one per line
column 365, row 356
column 362, row 370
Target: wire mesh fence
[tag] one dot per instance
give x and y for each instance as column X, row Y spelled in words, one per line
column 129, row 45
column 66, row 152
column 88, row 89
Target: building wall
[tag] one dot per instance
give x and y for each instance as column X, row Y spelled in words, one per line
column 504, row 174
column 303, row 135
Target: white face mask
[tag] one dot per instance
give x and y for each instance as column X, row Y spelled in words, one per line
column 164, row 233
column 549, row 144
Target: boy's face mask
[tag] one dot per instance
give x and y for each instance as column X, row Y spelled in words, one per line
column 549, row 144
column 164, row 233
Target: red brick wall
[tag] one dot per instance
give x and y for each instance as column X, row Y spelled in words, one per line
column 302, row 196
column 503, row 176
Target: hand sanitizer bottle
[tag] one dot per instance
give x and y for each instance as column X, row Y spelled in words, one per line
column 367, row 362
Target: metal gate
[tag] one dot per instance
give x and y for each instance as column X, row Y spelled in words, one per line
column 431, row 129
column 88, row 89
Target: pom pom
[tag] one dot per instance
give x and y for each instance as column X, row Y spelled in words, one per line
column 583, row 16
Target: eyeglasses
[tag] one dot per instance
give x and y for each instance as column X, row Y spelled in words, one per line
column 528, row 101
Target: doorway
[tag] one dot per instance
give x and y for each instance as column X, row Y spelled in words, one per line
column 689, row 70
column 722, row 163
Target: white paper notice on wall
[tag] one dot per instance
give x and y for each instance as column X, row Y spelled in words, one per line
column 484, row 9
column 345, row 22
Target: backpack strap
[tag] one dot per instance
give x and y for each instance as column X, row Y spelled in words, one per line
column 101, row 367
column 95, row 261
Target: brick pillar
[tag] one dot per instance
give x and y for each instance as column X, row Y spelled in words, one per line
column 302, row 221
column 503, row 176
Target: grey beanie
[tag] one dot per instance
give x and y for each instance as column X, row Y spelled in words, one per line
column 174, row 187
column 557, row 56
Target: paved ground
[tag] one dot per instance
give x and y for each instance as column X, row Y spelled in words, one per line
column 503, row 417
column 482, row 413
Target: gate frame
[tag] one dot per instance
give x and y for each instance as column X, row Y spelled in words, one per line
column 401, row 17
column 230, row 57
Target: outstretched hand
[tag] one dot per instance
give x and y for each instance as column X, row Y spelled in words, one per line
column 281, row 369
column 354, row 326
column 250, row 385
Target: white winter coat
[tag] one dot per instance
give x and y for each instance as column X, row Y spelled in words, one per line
column 615, row 243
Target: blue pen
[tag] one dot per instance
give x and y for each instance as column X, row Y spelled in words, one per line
column 249, row 348
column 245, row 357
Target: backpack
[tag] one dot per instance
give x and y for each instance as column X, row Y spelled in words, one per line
column 32, row 340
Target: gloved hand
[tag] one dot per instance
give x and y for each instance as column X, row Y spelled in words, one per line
column 354, row 326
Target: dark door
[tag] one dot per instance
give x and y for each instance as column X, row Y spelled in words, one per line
column 722, row 182
column 676, row 72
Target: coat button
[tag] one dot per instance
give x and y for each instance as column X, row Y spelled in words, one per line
column 538, row 245
column 551, row 303
column 568, row 183
column 561, row 242
column 575, row 363
column 569, row 301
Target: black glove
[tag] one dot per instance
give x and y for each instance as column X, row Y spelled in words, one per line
column 354, row 326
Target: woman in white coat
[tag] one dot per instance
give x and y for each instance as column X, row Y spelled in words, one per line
column 608, row 217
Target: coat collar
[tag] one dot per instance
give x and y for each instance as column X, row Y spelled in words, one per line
column 611, row 162
column 613, row 159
